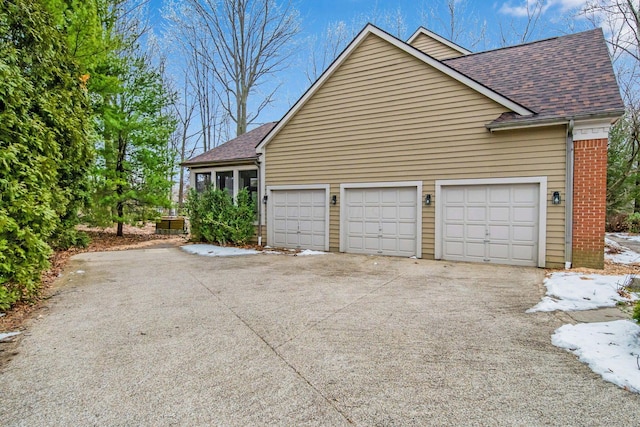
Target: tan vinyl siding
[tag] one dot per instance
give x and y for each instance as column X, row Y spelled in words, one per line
column 386, row 116
column 434, row 48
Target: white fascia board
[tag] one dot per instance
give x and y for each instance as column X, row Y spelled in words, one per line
column 371, row 29
column 441, row 39
column 591, row 129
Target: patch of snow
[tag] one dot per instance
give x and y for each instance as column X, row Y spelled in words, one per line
column 307, row 252
column 5, row 335
column 624, row 255
column 627, row 236
column 610, row 349
column 574, row 291
column 213, row 250
column 80, row 272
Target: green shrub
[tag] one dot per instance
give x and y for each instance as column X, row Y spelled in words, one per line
column 215, row 218
column 636, row 311
column 633, row 221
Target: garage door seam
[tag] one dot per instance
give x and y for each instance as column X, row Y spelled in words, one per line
column 275, row 351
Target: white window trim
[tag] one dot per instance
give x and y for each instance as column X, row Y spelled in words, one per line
column 213, row 170
column 236, row 178
column 343, row 208
column 271, row 188
column 542, row 207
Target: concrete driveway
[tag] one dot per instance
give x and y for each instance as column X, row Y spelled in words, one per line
column 159, row 337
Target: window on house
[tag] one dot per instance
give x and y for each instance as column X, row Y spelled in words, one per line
column 224, row 181
column 203, row 181
column 249, row 180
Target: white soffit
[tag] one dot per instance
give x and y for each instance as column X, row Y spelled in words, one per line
column 371, row 29
column 583, row 130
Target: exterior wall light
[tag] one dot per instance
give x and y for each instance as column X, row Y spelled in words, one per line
column 334, row 199
column 556, row 198
column 264, row 199
column 427, row 199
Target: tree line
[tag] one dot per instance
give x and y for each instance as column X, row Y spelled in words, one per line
column 85, row 122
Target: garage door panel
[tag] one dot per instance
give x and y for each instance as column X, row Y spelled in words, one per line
column 454, row 213
column 522, row 253
column 475, row 231
column 356, row 212
column 407, row 213
column 453, row 231
column 525, row 214
column 476, row 195
column 389, row 212
column 474, row 249
column 372, row 212
column 493, row 223
column 454, row 195
column 372, row 197
column 389, row 225
column 502, row 213
column 501, row 194
column 526, row 234
column 500, row 232
column 389, row 228
column 499, row 251
column 476, row 213
column 371, row 244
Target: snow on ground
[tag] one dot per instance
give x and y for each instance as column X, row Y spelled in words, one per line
column 5, row 335
column 611, row 349
column 574, row 291
column 308, row 252
column 620, row 254
column 213, row 250
column 627, row 236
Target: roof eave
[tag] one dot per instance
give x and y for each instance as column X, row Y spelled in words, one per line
column 231, row 162
column 552, row 121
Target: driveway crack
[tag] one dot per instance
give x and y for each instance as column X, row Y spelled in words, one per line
column 330, row 315
column 275, row 350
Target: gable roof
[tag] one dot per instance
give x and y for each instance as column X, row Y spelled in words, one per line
column 438, row 38
column 559, row 78
column 242, row 148
column 416, row 53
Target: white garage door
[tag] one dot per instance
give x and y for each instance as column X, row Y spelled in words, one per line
column 491, row 223
column 298, row 219
column 380, row 221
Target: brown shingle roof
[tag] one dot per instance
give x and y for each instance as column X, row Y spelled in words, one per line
column 237, row 149
column 561, row 77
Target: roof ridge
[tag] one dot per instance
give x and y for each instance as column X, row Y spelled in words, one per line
column 515, row 46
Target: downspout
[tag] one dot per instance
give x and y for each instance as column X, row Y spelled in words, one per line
column 259, row 207
column 568, row 231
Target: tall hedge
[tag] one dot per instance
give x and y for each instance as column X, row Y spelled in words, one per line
column 45, row 148
column 215, row 218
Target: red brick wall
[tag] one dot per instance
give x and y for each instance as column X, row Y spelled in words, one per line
column 589, row 202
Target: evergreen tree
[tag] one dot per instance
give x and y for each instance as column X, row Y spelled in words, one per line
column 131, row 175
column 44, row 143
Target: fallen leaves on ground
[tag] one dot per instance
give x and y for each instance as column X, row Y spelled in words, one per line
column 102, row 239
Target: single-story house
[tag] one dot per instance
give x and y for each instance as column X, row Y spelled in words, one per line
column 422, row 148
